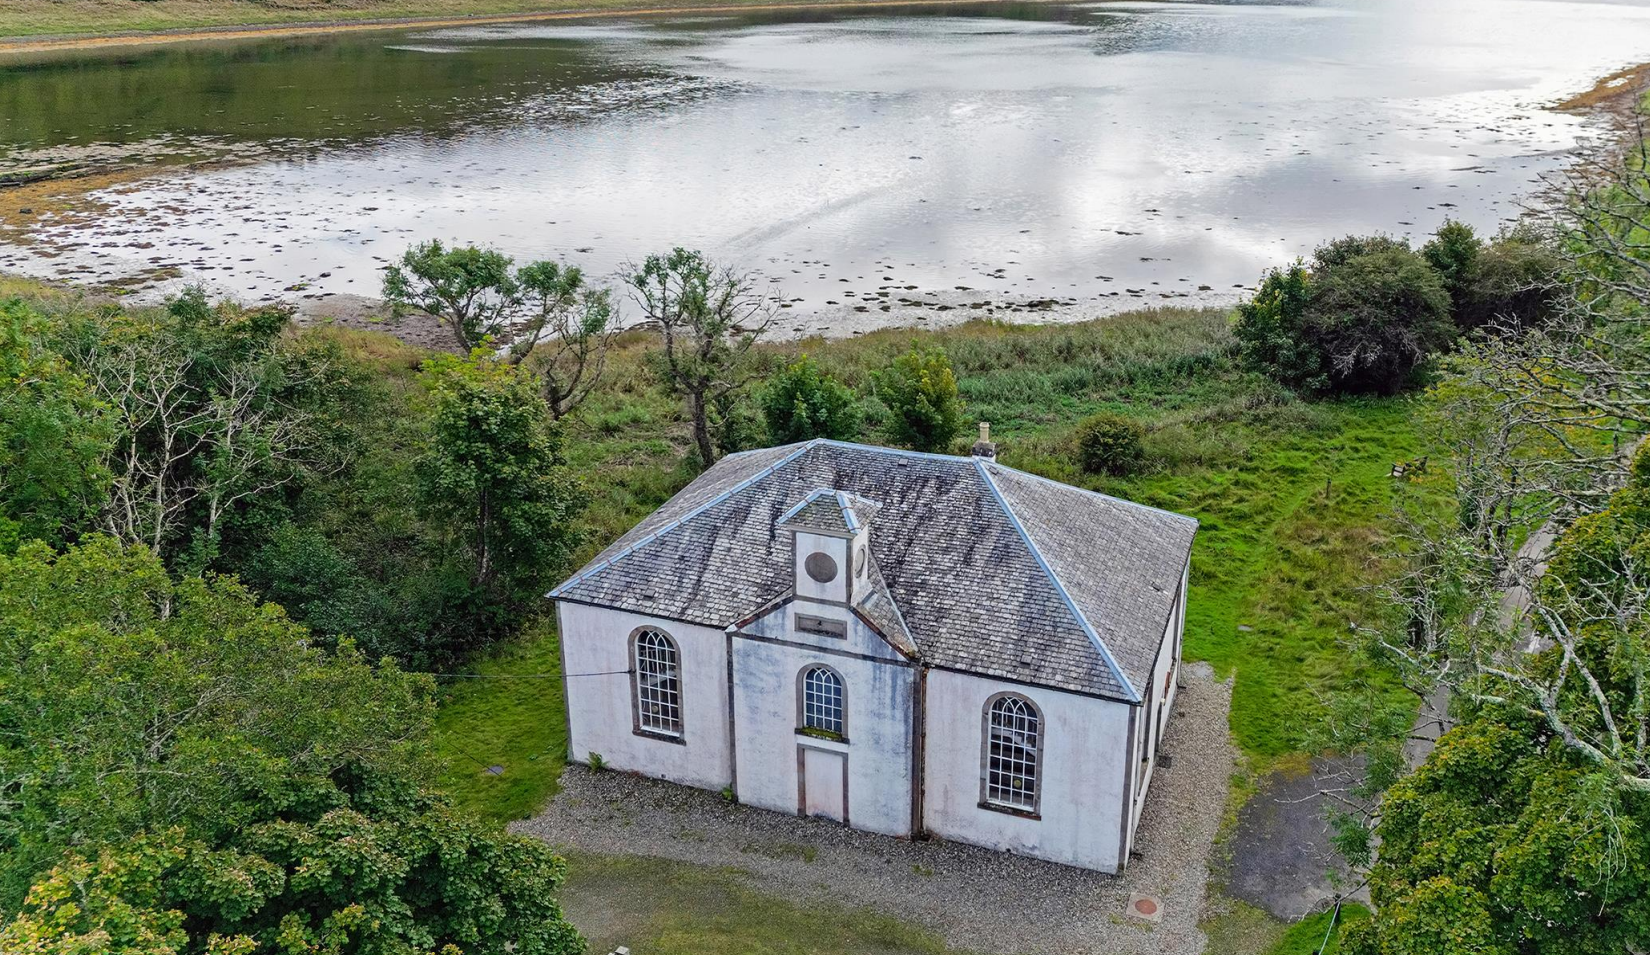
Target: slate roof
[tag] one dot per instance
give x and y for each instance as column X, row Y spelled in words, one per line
column 831, row 510
column 984, row 568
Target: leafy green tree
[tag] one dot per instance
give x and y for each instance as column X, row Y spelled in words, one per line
column 356, row 865
column 130, row 702
column 920, row 392
column 1378, row 318
column 54, row 437
column 1338, row 252
column 566, row 333
column 1110, row 443
column 492, row 473
column 1503, row 843
column 802, row 402
column 470, row 290
column 1272, row 330
column 1453, row 252
column 1516, row 284
column 710, row 319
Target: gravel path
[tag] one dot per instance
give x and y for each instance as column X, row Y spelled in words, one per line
column 973, row 898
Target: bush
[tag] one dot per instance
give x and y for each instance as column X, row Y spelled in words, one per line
column 1365, row 318
column 1377, row 318
column 920, row 392
column 1453, row 251
column 1271, row 330
column 803, row 402
column 1109, row 443
column 1515, row 284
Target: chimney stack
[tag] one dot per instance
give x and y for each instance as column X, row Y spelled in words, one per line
column 985, row 448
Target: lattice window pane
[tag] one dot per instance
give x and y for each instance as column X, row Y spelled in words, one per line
column 1011, row 754
column 822, row 701
column 658, row 683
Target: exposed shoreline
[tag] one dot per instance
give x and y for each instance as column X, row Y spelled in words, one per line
column 12, row 45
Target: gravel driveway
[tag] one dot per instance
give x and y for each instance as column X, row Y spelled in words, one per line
column 973, row 898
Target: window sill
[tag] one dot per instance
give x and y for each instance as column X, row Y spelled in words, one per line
column 1011, row 810
column 823, row 735
column 661, row 737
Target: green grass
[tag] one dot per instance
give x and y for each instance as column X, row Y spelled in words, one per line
column 509, row 715
column 1238, row 928
column 1304, row 937
column 657, row 907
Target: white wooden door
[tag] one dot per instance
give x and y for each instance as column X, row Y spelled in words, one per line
column 824, row 783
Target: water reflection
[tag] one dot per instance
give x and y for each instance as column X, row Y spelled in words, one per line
column 1102, row 154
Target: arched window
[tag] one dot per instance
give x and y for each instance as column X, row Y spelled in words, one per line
column 822, row 700
column 658, row 684
column 1012, row 752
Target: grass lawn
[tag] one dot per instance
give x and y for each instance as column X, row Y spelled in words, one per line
column 501, row 734
column 659, row 907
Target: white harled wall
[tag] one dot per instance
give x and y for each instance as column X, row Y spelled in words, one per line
column 1085, row 751
column 596, row 640
column 877, row 710
column 1158, row 712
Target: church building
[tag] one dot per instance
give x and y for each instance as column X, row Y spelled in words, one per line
column 921, row 645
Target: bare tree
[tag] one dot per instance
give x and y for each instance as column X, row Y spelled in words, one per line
column 207, row 414
column 711, row 318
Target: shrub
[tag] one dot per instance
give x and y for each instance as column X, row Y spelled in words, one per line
column 1377, row 318
column 920, row 392
column 1271, row 330
column 1365, row 318
column 803, row 402
column 1109, row 443
column 1453, row 251
column 1514, row 284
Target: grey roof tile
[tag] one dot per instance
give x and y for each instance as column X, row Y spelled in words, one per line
column 987, row 569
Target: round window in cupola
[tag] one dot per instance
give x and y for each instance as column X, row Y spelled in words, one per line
column 820, row 566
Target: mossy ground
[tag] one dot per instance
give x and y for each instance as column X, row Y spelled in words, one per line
column 658, row 907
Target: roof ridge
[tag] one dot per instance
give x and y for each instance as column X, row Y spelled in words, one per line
column 887, row 591
column 1065, row 595
column 678, row 522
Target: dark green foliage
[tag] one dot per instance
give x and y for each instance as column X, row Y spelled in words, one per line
column 1453, row 252
column 1516, row 284
column 1272, row 330
column 1338, row 252
column 54, row 435
column 355, row 863
column 1509, row 283
column 1377, row 318
column 470, row 290
column 130, row 702
column 1501, row 843
column 492, row 476
column 803, row 402
column 920, row 392
column 1109, row 443
column 1364, row 319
